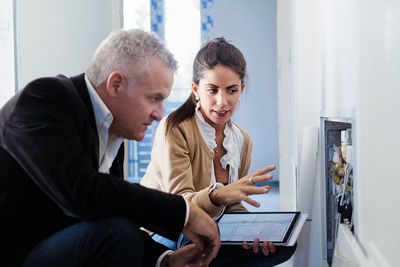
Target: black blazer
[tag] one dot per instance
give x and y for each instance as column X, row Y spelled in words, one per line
column 49, row 175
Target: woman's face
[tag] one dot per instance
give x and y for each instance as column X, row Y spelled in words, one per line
column 219, row 91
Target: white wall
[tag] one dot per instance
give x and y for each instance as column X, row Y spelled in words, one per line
column 299, row 84
column 378, row 98
column 251, row 26
column 7, row 67
column 56, row 37
column 355, row 49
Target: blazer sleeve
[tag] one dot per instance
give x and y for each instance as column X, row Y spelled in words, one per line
column 44, row 131
column 175, row 165
column 245, row 157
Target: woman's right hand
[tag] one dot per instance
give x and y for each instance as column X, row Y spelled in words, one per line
column 243, row 188
column 267, row 247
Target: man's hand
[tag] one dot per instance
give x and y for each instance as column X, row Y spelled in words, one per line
column 189, row 255
column 202, row 231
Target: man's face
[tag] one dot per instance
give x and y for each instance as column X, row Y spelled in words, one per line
column 141, row 101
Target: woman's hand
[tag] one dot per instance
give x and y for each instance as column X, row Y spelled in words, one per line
column 242, row 188
column 267, row 247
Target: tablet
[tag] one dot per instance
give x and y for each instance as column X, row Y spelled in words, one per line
column 235, row 228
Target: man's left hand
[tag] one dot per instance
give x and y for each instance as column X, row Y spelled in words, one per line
column 189, row 255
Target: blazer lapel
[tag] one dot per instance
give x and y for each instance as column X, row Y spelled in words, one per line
column 80, row 85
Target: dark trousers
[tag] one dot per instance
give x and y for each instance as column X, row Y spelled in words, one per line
column 109, row 241
column 236, row 256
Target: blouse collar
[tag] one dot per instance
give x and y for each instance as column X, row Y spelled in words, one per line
column 208, row 134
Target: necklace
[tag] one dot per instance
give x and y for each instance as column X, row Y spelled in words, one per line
column 217, row 149
column 219, row 143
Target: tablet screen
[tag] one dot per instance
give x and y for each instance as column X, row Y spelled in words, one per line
column 269, row 226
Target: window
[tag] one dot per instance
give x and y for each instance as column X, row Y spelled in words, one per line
column 137, row 14
column 178, row 23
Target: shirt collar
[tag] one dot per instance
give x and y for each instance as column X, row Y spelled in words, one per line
column 208, row 134
column 102, row 114
column 206, row 130
column 108, row 144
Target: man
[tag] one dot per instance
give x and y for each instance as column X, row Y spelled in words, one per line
column 63, row 200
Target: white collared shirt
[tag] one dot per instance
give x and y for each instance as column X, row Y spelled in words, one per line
column 108, row 144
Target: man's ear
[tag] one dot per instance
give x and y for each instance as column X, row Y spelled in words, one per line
column 115, row 83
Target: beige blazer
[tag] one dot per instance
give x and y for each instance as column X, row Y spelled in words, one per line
column 181, row 163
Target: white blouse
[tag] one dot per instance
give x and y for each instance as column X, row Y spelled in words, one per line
column 233, row 143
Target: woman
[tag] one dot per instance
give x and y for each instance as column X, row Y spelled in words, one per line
column 198, row 152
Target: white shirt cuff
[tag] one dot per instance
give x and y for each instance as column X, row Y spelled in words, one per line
column 162, row 257
column 187, row 212
column 215, row 186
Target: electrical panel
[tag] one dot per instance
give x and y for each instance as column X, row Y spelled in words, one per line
column 338, row 163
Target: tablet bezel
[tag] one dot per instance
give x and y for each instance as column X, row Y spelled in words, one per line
column 285, row 239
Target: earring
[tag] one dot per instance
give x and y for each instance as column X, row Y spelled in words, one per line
column 197, row 102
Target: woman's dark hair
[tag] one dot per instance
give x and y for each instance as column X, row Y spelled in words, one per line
column 214, row 52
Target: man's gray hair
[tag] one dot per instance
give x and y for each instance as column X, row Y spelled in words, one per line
column 128, row 51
